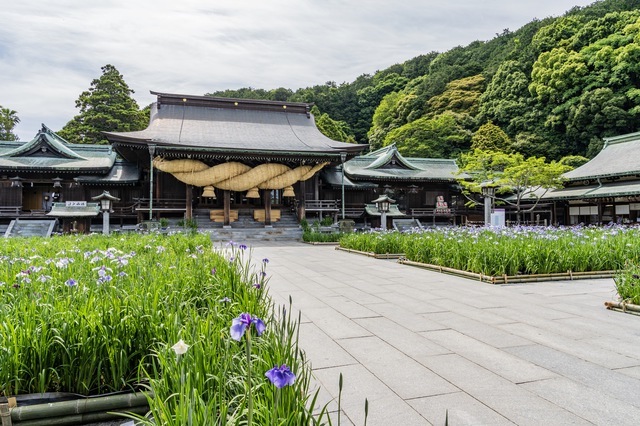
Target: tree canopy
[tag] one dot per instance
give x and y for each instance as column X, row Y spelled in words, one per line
column 513, row 175
column 8, row 120
column 106, row 106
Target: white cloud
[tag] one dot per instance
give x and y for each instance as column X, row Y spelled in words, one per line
column 50, row 51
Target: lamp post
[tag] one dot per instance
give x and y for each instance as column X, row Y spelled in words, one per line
column 106, row 202
column 152, row 151
column 343, row 157
column 488, row 191
column 383, row 203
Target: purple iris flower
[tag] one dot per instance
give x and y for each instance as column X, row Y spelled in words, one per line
column 281, row 376
column 265, row 260
column 71, row 282
column 239, row 326
column 213, row 271
column 242, row 246
column 257, row 285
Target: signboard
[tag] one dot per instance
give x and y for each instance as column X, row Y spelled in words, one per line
column 75, row 204
column 498, row 218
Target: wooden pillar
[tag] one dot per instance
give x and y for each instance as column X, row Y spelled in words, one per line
column 189, row 202
column 267, row 207
column 600, row 210
column 156, row 192
column 302, row 214
column 227, row 207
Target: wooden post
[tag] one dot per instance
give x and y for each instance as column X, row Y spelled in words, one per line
column 267, row 207
column 302, row 214
column 189, row 203
column 227, row 207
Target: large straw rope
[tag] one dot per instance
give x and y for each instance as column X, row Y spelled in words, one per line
column 235, row 176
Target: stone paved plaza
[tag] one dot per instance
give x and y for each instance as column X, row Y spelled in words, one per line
column 417, row 343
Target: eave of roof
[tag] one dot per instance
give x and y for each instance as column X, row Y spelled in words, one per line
column 620, row 156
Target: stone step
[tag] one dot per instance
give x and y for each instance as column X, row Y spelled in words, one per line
column 256, row 234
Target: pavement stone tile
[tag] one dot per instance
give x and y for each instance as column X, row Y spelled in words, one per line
column 502, row 363
column 409, row 380
column 409, row 303
column 557, row 326
column 385, row 407
column 411, row 343
column 605, row 380
column 590, row 404
column 489, row 334
column 401, row 315
column 579, row 349
column 334, row 324
column 322, row 351
column 350, row 308
column 511, row 401
column 459, row 408
column 630, row 371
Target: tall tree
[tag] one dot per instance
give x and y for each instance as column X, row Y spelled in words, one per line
column 106, row 106
column 515, row 177
column 490, row 137
column 8, row 120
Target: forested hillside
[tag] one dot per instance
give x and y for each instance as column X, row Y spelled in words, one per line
column 554, row 87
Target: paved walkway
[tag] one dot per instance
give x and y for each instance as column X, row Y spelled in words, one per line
column 417, row 343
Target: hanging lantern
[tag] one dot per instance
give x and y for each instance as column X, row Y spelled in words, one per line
column 288, row 192
column 208, row 192
column 253, row 193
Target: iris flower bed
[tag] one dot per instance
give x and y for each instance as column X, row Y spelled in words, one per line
column 628, row 283
column 93, row 315
column 508, row 251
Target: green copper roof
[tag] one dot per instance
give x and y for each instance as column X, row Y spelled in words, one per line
column 49, row 152
column 620, row 156
column 388, row 164
column 372, row 210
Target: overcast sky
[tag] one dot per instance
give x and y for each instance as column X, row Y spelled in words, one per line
column 51, row 50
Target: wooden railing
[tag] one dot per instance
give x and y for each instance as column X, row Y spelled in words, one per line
column 161, row 204
column 432, row 212
column 10, row 210
column 322, row 205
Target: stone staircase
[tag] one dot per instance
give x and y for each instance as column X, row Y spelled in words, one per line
column 30, row 228
column 246, row 229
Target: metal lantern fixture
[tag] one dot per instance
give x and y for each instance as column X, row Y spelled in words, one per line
column 16, row 182
column 57, row 182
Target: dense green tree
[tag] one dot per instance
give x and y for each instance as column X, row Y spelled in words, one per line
column 506, row 98
column 459, row 96
column 106, row 106
column 333, row 129
column 8, row 120
column 573, row 161
column 442, row 136
column 490, row 137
